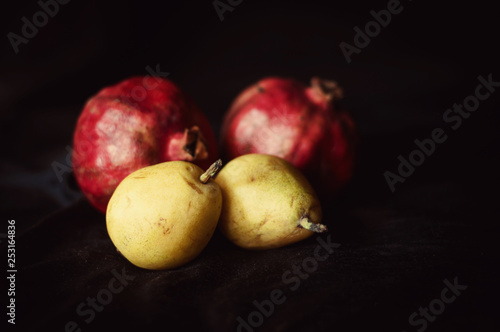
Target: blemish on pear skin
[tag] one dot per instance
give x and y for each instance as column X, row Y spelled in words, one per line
column 189, row 206
column 192, row 185
column 263, row 222
column 293, row 199
column 162, row 225
column 274, row 165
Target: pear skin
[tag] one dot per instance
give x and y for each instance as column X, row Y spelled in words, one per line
column 163, row 216
column 267, row 203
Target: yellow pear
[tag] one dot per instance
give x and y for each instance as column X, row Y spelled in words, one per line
column 267, row 203
column 163, row 216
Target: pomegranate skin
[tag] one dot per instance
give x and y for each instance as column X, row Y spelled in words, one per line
column 138, row 122
column 338, row 152
column 285, row 118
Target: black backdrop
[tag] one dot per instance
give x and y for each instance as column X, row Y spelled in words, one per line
column 396, row 249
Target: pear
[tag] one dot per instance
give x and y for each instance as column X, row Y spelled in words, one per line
column 267, row 203
column 163, row 216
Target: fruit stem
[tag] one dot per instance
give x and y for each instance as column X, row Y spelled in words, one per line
column 329, row 90
column 194, row 144
column 304, row 222
column 211, row 171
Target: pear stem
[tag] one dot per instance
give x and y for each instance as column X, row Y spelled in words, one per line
column 211, row 171
column 305, row 223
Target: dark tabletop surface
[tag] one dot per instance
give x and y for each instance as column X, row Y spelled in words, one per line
column 432, row 244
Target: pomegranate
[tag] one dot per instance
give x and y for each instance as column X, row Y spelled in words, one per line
column 138, row 122
column 285, row 118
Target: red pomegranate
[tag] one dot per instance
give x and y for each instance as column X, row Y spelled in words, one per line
column 285, row 118
column 138, row 122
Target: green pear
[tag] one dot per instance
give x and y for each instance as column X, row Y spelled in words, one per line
column 267, row 203
column 163, row 216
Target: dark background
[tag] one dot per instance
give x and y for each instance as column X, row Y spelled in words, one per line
column 396, row 248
